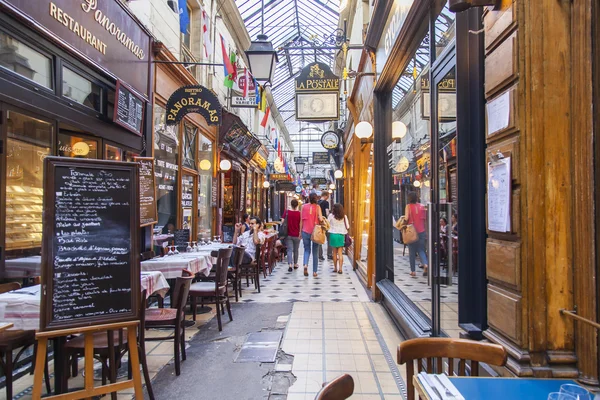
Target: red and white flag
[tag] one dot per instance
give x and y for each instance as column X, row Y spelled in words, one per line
column 206, row 35
column 246, row 81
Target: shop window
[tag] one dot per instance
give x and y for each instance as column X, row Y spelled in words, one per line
column 29, row 141
column 249, row 191
column 190, row 133
column 186, row 42
column 445, row 30
column 130, row 156
column 25, row 61
column 113, row 153
column 76, row 147
column 81, row 90
column 187, row 201
column 166, row 155
column 205, row 215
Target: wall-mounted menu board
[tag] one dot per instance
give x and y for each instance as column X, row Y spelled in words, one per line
column 148, row 213
column 90, row 250
column 129, row 109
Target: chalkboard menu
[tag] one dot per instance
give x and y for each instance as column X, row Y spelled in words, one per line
column 148, row 214
column 129, row 109
column 90, row 250
column 181, row 237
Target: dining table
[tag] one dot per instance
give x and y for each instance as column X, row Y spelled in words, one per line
column 25, row 267
column 197, row 262
column 496, row 388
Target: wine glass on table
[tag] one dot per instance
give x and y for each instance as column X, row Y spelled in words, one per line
column 576, row 391
column 170, row 253
column 175, row 250
column 189, row 247
column 195, row 246
column 560, row 396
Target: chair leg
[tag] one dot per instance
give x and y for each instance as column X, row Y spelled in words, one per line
column 176, row 349
column 235, row 279
column 142, row 352
column 218, row 311
column 8, row 371
column 74, row 369
column 228, row 306
column 183, row 355
column 194, row 300
column 240, row 284
column 258, row 279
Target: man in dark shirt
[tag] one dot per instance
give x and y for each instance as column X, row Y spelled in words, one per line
column 324, row 204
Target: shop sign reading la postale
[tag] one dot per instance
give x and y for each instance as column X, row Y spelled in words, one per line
column 103, row 31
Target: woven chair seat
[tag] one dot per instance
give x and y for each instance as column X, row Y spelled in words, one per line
column 100, row 341
column 160, row 315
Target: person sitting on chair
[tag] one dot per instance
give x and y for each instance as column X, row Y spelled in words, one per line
column 250, row 238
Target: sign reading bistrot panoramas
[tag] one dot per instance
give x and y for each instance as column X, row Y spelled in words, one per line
column 90, row 250
column 102, row 31
column 194, row 99
column 317, row 94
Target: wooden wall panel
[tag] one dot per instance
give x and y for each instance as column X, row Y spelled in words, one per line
column 499, row 24
column 501, row 66
column 504, row 262
column 504, row 313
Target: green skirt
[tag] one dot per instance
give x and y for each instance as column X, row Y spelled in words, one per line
column 336, row 240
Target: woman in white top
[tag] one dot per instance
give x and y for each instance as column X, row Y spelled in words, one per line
column 337, row 235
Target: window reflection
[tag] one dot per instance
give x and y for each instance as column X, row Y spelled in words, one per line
column 25, row 61
column 81, row 90
column 166, row 150
column 76, row 146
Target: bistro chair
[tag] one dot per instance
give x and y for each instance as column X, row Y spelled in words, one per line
column 174, row 318
column 426, row 351
column 216, row 289
column 340, row 388
column 251, row 270
column 11, row 340
column 233, row 271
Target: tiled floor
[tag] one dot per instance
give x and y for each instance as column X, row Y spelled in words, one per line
column 329, row 339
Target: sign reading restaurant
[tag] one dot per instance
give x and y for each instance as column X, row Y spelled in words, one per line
column 102, row 31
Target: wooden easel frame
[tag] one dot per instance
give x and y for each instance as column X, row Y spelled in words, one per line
column 89, row 389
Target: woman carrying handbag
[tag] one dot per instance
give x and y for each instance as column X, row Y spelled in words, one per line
column 414, row 234
column 311, row 218
column 293, row 228
column 337, row 235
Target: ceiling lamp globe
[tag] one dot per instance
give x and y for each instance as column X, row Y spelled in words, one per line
column 363, row 130
column 338, row 174
column 225, row 165
column 332, row 186
column 205, row 165
column 398, row 130
column 417, row 183
column 266, row 184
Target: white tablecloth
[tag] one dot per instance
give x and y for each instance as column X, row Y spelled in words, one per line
column 22, row 307
column 171, row 266
column 26, row 267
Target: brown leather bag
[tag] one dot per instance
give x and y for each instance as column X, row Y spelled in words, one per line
column 409, row 232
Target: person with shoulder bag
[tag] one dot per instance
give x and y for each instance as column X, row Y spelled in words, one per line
column 414, row 234
column 293, row 221
column 337, row 235
column 312, row 232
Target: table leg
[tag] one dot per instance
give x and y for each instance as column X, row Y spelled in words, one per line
column 58, row 344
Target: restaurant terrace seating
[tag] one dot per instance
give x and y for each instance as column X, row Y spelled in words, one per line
column 340, row 388
column 427, row 351
column 251, row 270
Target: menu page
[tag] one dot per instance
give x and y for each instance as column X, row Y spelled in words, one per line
column 91, row 256
column 147, row 191
column 129, row 109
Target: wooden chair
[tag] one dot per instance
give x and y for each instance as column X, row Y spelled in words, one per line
column 216, row 289
column 11, row 340
column 147, row 255
column 174, row 318
column 340, row 388
column 251, row 270
column 233, row 272
column 432, row 350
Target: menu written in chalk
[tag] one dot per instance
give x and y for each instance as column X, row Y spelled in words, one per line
column 129, row 109
column 90, row 268
column 148, row 214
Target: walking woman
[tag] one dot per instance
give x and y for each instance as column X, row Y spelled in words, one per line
column 337, row 234
column 294, row 223
column 416, row 215
column 311, row 216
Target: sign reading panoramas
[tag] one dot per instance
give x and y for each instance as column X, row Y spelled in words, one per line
column 194, row 99
column 101, row 30
column 317, row 94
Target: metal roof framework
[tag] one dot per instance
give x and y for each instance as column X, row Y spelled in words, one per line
column 296, row 28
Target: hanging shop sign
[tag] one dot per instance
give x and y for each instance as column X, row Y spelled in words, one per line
column 194, row 99
column 391, row 30
column 236, row 135
column 317, row 94
column 260, row 160
column 319, row 181
column 301, row 160
column 330, row 140
column 279, row 177
column 104, row 32
column 243, row 102
column 237, row 96
column 320, row 157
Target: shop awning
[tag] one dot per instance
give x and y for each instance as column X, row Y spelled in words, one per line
column 236, row 134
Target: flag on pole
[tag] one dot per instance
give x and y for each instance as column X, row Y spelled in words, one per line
column 184, row 17
column 228, row 68
column 246, row 82
column 263, row 123
column 231, row 78
column 206, row 35
column 258, row 93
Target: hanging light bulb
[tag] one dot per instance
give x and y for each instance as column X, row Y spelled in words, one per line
column 398, row 130
column 338, row 174
column 205, row 165
column 225, row 165
column 332, row 186
column 266, row 184
column 417, row 183
column 363, row 130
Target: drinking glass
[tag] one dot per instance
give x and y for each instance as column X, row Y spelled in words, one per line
column 189, row 247
column 560, row 396
column 195, row 246
column 175, row 251
column 576, row 391
column 170, row 253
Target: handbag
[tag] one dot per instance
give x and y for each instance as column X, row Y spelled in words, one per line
column 318, row 233
column 409, row 233
column 347, row 238
column 283, row 229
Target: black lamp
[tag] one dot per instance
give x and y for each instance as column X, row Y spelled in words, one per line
column 262, row 59
column 300, row 167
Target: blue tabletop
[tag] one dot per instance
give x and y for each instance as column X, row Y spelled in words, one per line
column 507, row 388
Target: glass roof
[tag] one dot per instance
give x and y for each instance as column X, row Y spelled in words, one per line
column 294, row 27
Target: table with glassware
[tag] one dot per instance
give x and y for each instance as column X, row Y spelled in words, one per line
column 21, row 307
column 490, row 388
column 196, row 259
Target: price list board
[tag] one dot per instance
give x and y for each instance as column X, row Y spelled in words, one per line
column 148, row 212
column 90, row 253
column 129, row 109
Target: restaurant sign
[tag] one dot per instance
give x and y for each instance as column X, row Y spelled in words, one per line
column 279, row 177
column 102, row 31
column 320, row 157
column 317, row 94
column 260, row 160
column 194, row 99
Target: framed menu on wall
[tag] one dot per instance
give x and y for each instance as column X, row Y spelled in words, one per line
column 129, row 109
column 90, row 249
column 148, row 212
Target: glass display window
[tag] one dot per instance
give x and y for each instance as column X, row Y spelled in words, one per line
column 81, row 89
column 205, row 187
column 190, row 133
column 76, row 146
column 113, row 153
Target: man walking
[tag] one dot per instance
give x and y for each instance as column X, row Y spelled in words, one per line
column 324, row 204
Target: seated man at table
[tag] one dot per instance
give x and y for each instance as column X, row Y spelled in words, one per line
column 250, row 238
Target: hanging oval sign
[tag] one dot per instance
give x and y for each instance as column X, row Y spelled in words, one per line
column 298, row 189
column 194, row 99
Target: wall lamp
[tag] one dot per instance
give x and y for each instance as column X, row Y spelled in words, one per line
column 463, row 5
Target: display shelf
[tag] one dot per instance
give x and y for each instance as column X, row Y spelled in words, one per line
column 23, row 207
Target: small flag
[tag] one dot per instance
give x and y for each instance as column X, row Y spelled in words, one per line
column 184, row 17
column 275, row 144
column 206, row 35
column 232, row 77
column 246, row 82
column 228, row 68
column 257, row 91
column 263, row 123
